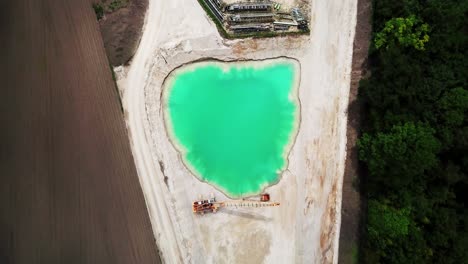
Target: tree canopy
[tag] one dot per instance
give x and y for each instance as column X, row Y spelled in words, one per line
column 408, row 32
column 395, row 158
column 414, row 146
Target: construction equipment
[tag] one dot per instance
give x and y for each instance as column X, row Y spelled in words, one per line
column 212, row 206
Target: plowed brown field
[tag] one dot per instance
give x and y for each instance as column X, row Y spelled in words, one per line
column 69, row 192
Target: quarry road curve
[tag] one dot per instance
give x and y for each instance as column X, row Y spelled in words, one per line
column 134, row 104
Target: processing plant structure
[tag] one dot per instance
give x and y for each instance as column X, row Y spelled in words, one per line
column 257, row 16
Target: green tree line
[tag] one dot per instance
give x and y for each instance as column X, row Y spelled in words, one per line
column 414, row 146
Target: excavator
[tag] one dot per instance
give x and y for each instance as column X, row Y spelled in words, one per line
column 212, row 206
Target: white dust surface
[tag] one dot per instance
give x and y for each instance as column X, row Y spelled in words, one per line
column 305, row 228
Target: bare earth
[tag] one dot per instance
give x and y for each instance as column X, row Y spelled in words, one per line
column 352, row 204
column 121, row 30
column 69, row 191
column 306, row 227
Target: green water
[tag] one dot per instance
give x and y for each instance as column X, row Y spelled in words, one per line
column 233, row 124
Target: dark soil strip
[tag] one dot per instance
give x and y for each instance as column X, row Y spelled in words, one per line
column 352, row 201
column 69, row 192
column 121, row 29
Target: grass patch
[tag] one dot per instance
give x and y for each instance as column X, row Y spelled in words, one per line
column 101, row 8
column 117, row 4
column 98, row 10
column 354, row 255
column 226, row 35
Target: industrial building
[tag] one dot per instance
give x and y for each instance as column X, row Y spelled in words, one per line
column 214, row 6
column 249, row 18
column 256, row 16
column 299, row 17
column 250, row 6
column 284, row 24
column 250, row 28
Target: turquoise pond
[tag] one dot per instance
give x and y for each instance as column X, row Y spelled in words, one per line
column 234, row 123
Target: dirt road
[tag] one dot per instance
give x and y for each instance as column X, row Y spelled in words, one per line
column 352, row 204
column 69, row 191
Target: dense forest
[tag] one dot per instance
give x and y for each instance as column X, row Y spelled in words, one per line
column 414, row 146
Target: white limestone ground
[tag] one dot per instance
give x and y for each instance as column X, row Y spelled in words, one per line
column 305, row 228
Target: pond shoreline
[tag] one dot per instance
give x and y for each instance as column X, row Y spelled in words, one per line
column 227, row 66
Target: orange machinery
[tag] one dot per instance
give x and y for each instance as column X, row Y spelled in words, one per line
column 211, row 205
